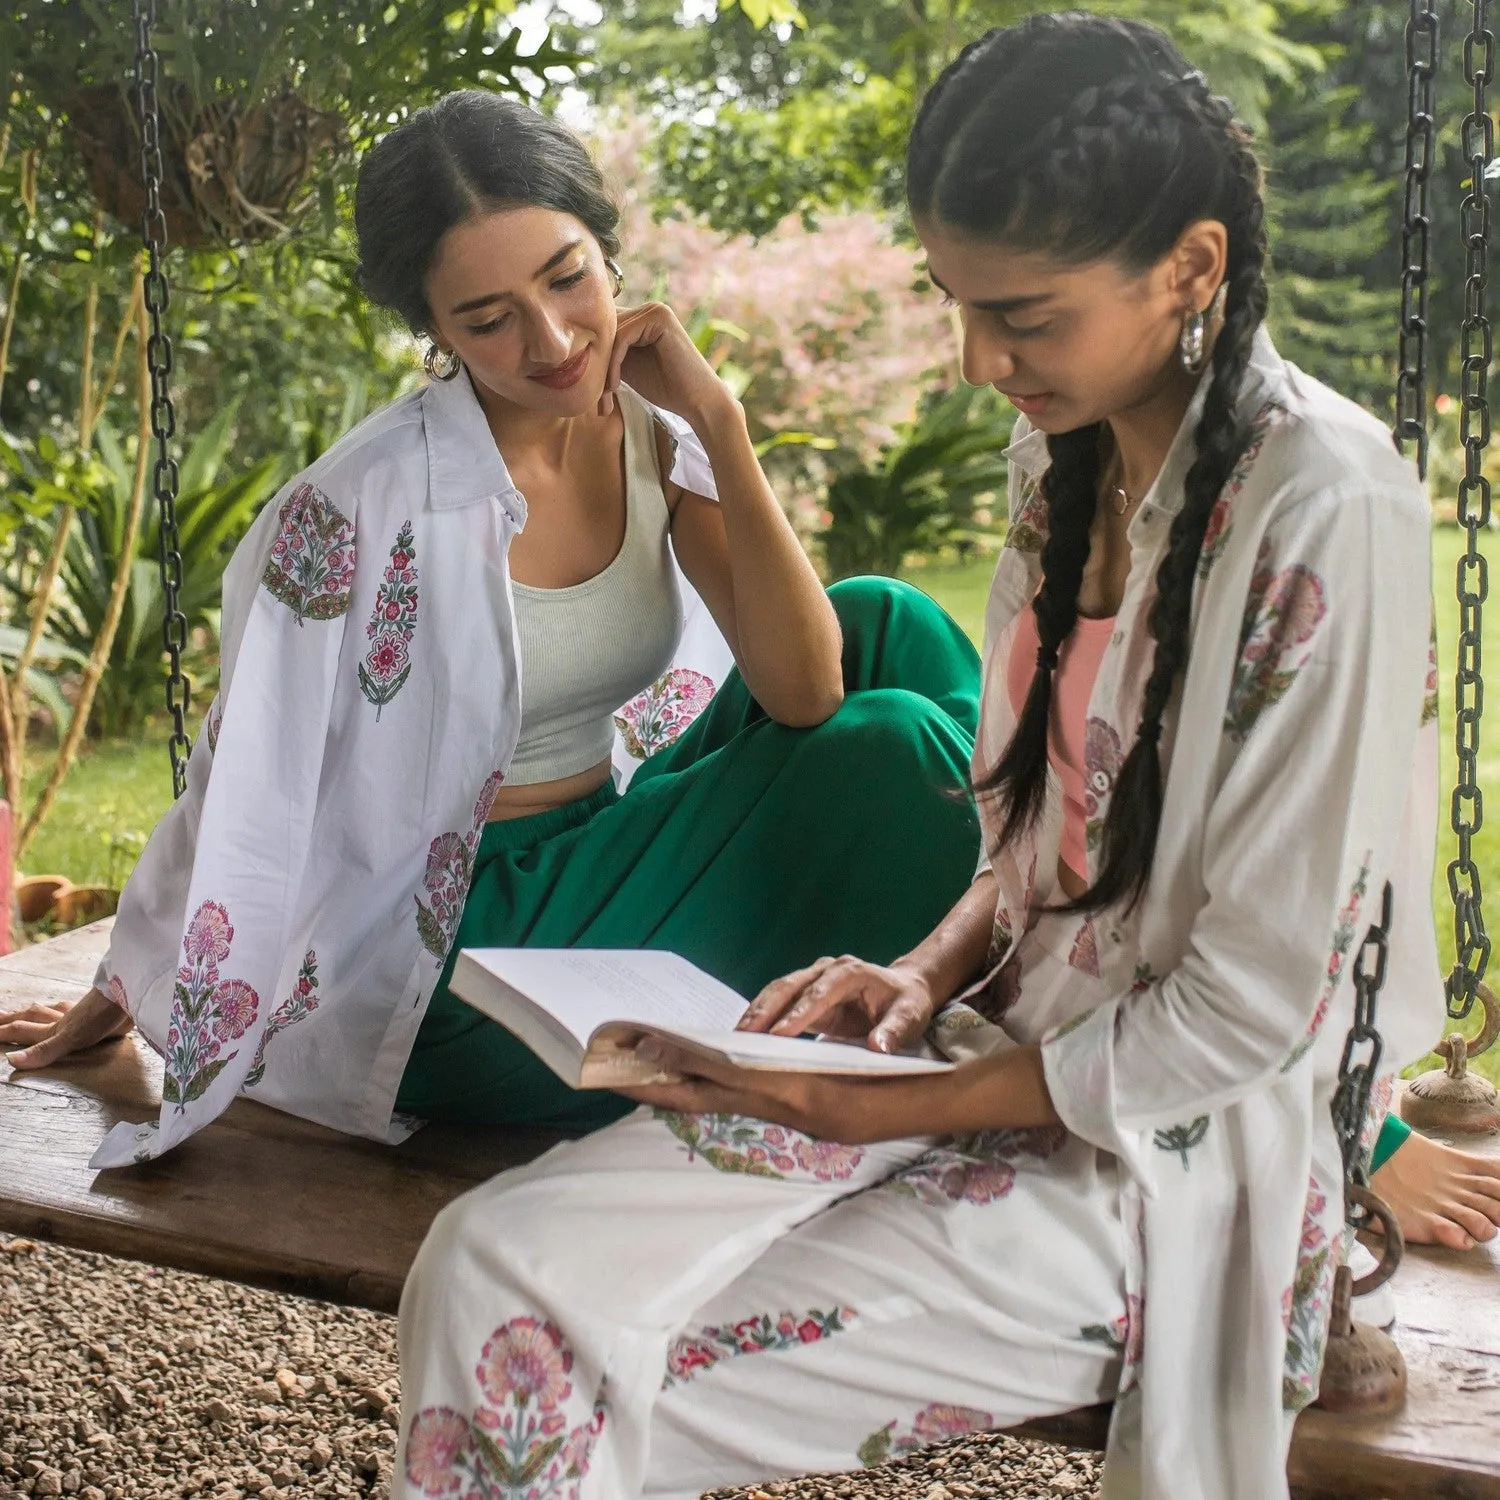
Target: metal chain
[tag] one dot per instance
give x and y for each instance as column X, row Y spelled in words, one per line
column 1351, row 1100
column 164, row 476
column 1471, row 944
column 1416, row 235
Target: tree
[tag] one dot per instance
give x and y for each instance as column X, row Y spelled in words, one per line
column 758, row 123
column 263, row 109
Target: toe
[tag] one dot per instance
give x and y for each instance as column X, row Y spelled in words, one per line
column 1485, row 1210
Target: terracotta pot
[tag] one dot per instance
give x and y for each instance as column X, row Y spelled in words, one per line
column 35, row 894
column 83, row 903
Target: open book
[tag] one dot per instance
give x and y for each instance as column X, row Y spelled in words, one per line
column 582, row 1010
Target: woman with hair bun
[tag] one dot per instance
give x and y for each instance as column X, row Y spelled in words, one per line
column 1205, row 749
column 428, row 638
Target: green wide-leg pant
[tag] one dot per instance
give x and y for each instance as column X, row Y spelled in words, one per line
column 747, row 847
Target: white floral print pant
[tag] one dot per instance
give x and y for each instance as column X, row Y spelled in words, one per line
column 679, row 1302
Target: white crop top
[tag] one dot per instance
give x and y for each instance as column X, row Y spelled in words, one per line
column 587, row 649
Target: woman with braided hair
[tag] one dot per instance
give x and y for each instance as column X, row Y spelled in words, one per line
column 1206, row 746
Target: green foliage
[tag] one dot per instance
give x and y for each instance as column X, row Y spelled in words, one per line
column 761, row 121
column 214, row 510
column 924, row 488
column 360, row 61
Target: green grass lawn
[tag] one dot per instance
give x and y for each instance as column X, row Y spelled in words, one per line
column 119, row 788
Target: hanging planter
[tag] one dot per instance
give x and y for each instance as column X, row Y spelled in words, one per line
column 230, row 171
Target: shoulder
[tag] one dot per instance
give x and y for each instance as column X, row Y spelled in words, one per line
column 1327, row 466
column 373, row 456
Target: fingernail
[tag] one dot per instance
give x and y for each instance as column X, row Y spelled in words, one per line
column 649, row 1051
column 15, row 1058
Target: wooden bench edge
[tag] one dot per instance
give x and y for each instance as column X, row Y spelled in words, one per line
column 320, row 1281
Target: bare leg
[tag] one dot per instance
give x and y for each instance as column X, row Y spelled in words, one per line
column 1441, row 1195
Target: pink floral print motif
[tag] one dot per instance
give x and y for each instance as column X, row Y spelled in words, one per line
column 450, row 868
column 208, row 1012
column 1001, row 938
column 1084, row 954
column 1103, row 756
column 1430, row 696
column 933, row 1424
column 1345, row 929
column 654, row 719
column 1031, row 524
column 517, row 1443
column 1307, row 1304
column 1000, row 991
column 311, row 568
column 692, row 1354
column 1126, row 1335
column 1220, row 520
column 1282, row 615
column 301, row 1003
column 980, row 1169
column 1145, row 976
column 735, row 1143
column 1379, row 1107
column 212, row 722
column 393, row 622
column 115, row 990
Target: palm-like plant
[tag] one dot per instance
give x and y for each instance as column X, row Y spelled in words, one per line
column 214, row 509
column 924, row 488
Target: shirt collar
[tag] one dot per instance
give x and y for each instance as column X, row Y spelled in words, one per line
column 464, row 465
column 1265, row 376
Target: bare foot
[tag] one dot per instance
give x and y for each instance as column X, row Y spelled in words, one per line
column 1440, row 1195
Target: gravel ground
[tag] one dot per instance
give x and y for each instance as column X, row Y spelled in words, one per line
column 120, row 1381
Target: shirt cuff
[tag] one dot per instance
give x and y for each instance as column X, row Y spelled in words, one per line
column 1078, row 1062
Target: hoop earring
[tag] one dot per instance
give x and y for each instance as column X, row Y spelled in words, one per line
column 1192, row 347
column 441, row 364
column 613, row 267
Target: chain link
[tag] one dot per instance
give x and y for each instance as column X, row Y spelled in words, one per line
column 1471, row 943
column 1416, row 235
column 164, row 475
column 1351, row 1100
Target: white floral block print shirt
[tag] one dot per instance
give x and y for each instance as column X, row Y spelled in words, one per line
column 1301, row 776
column 291, row 913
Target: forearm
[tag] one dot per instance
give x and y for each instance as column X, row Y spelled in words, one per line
column 953, row 953
column 1007, row 1092
column 788, row 639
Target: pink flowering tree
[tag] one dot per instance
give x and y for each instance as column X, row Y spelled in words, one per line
column 833, row 330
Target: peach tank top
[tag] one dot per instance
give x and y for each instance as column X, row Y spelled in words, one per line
column 1072, row 687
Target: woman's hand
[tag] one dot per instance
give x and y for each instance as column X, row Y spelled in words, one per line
column 889, row 1007
column 1004, row 1092
column 655, row 357
column 828, row 1107
column 48, row 1033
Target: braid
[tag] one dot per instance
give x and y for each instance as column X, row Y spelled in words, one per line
column 1134, row 818
column 1089, row 138
column 1071, row 489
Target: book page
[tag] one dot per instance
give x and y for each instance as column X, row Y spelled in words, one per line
column 584, row 988
column 793, row 1054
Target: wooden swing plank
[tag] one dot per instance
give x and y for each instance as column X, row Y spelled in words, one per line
column 264, row 1198
column 258, row 1196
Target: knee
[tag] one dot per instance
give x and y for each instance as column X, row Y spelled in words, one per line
column 870, row 600
column 886, row 732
